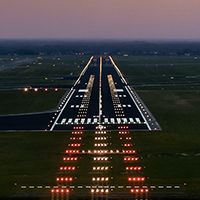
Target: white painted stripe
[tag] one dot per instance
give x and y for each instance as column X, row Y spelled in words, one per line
column 138, row 120
column 70, row 120
column 63, row 121
column 83, row 90
column 76, row 121
column 62, row 110
column 112, row 120
column 82, row 120
column 118, row 90
column 118, row 120
column 125, row 120
column 106, row 120
column 89, row 120
column 131, row 120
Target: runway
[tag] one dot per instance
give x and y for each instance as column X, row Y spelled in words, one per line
column 101, row 97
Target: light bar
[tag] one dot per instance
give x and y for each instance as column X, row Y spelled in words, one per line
column 100, row 138
column 65, row 168
column 123, row 132
column 75, row 138
column 99, row 191
column 136, row 179
column 133, row 168
column 131, row 158
column 100, row 168
column 61, row 179
column 74, row 145
column 123, row 127
column 139, row 190
column 70, row 158
column 127, row 145
column 100, row 158
column 72, row 151
column 128, row 151
column 60, row 190
column 77, row 132
column 100, row 145
column 100, row 179
column 78, row 127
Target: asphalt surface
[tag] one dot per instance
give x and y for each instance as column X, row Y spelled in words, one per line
column 100, row 97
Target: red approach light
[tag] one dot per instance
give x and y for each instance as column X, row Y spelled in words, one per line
column 72, row 151
column 67, row 190
column 35, row 89
column 136, row 179
column 128, row 151
column 70, row 158
column 139, row 190
column 77, row 132
column 133, row 168
column 131, row 158
column 123, row 132
column 75, row 145
column 67, row 168
column 61, row 179
column 123, row 127
column 127, row 145
column 60, row 191
column 56, row 89
column 45, row 89
column 78, row 127
column 75, row 138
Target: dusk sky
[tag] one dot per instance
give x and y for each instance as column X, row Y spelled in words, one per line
column 90, row 19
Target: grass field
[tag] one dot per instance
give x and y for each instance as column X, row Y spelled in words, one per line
column 160, row 69
column 171, row 157
column 18, row 101
column 42, row 70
